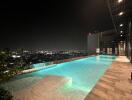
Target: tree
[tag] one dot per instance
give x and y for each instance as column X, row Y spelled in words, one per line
column 3, row 63
column 5, row 95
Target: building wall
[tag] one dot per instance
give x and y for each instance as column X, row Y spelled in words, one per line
column 92, row 43
column 129, row 43
column 103, row 40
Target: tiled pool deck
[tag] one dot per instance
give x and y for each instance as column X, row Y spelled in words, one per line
column 115, row 83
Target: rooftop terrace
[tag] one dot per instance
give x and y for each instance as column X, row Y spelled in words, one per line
column 115, row 83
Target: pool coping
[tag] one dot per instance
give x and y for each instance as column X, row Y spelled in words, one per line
column 54, row 63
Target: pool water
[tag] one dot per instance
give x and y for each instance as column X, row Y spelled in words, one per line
column 84, row 73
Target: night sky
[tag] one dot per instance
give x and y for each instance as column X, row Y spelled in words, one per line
column 51, row 24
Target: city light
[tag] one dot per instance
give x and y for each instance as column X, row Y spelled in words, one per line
column 6, row 71
column 119, row 1
column 121, row 31
column 16, row 56
column 121, row 13
column 121, row 25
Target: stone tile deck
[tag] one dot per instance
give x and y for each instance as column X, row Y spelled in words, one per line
column 115, row 83
column 49, row 89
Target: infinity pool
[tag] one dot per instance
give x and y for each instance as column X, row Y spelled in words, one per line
column 84, row 73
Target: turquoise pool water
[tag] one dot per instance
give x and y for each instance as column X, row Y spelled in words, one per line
column 84, row 73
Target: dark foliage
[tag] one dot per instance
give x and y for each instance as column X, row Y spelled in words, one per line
column 5, row 95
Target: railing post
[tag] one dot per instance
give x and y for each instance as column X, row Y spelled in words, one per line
column 131, row 75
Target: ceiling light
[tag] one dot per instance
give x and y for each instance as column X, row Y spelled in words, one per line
column 119, row 1
column 121, row 25
column 121, row 13
column 121, row 31
column 121, row 35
